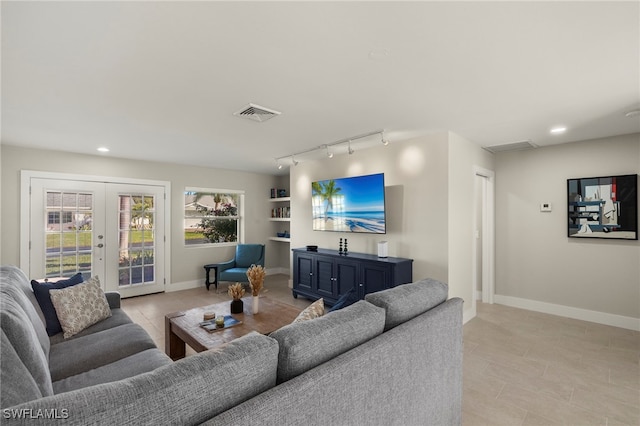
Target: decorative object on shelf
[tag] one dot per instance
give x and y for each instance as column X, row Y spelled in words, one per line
column 236, row 291
column 282, row 193
column 345, row 251
column 312, row 248
column 340, row 249
column 383, row 249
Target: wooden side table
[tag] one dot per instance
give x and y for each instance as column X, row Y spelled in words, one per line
column 208, row 268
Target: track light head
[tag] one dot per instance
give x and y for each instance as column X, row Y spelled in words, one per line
column 293, row 160
column 351, row 151
column 329, row 153
column 385, row 142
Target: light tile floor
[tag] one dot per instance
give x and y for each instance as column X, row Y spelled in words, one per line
column 521, row 368
column 528, row 368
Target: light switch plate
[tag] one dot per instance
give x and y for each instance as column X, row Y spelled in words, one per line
column 545, row 207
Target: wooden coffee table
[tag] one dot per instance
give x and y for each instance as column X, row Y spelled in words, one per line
column 183, row 327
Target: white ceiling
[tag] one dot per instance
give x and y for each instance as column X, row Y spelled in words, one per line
column 161, row 80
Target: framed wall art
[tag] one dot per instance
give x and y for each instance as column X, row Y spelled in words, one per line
column 603, row 207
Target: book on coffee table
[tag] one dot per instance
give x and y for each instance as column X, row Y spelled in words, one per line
column 210, row 325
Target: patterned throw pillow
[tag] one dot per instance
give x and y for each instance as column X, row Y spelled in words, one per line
column 41, row 291
column 314, row 310
column 80, row 306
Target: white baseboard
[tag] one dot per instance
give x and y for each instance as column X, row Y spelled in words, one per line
column 629, row 323
column 187, row 285
column 184, row 285
column 279, row 270
column 469, row 314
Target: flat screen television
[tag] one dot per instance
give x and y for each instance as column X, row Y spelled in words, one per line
column 350, row 204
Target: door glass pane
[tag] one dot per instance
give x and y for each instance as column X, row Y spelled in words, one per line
column 68, row 233
column 136, row 239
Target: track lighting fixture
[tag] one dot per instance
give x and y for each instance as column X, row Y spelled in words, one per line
column 326, row 147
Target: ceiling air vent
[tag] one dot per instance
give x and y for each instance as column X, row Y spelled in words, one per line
column 256, row 113
column 515, row 146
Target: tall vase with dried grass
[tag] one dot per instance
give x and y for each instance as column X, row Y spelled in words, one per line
column 256, row 274
column 236, row 291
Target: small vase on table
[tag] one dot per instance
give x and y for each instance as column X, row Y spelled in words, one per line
column 256, row 304
column 236, row 292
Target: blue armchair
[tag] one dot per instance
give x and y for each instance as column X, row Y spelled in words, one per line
column 236, row 269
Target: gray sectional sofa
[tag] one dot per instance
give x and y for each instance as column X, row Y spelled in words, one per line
column 394, row 358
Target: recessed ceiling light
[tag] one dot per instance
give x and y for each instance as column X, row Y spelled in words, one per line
column 103, row 149
column 558, row 130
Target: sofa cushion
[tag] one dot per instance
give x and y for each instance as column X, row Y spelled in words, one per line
column 139, row 363
column 14, row 286
column 187, row 392
column 306, row 344
column 118, row 317
column 407, row 301
column 81, row 354
column 234, row 274
column 314, row 310
column 80, row 306
column 23, row 386
column 41, row 292
column 22, row 337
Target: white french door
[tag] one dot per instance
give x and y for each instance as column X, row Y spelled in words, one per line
column 113, row 230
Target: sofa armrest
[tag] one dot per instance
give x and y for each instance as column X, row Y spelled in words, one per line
column 193, row 389
column 113, row 297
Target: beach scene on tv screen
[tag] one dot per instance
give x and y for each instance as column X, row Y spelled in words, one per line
column 354, row 204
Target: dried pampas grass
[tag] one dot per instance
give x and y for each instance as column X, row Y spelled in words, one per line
column 256, row 274
column 236, row 291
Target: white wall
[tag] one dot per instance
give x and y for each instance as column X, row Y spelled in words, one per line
column 463, row 156
column 595, row 279
column 186, row 262
column 425, row 179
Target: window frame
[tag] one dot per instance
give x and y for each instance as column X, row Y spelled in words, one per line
column 240, row 217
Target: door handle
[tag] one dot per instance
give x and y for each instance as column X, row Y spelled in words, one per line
column 100, row 245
